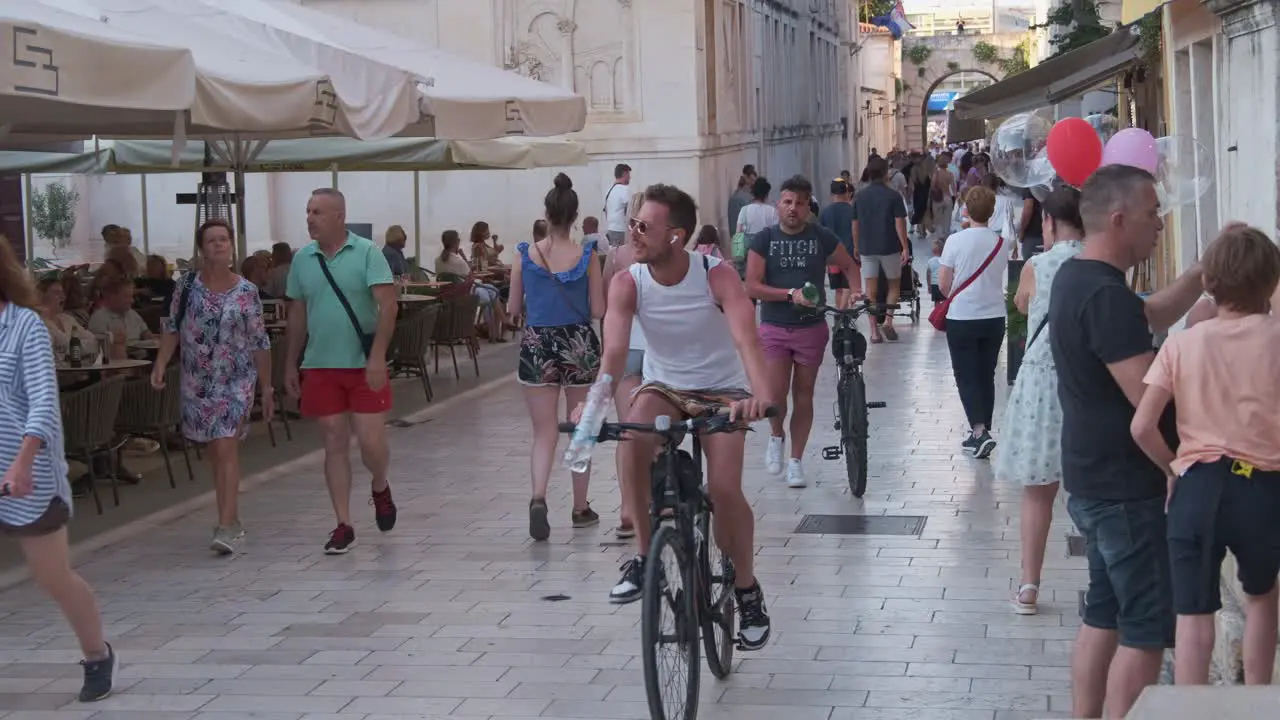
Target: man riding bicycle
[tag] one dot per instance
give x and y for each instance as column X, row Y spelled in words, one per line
column 701, row 331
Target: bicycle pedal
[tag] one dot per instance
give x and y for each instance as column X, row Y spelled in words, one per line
column 876, row 405
column 832, row 453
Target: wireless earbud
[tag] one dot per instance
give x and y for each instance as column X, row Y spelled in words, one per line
column 675, row 238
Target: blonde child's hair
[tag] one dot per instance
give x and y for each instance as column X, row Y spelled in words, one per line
column 937, row 246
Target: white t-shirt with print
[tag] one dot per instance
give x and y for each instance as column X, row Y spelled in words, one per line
column 615, row 208
column 964, row 253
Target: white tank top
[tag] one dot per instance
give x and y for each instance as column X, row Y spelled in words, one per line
column 689, row 346
column 637, row 336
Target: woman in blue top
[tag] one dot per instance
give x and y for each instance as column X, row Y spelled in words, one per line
column 559, row 287
column 35, row 496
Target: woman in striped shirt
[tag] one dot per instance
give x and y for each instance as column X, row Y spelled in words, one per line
column 35, row 496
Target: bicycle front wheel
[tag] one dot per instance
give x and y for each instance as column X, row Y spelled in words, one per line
column 718, row 636
column 853, row 431
column 669, row 629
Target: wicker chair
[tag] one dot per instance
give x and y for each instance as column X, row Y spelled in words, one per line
column 147, row 411
column 456, row 326
column 411, row 345
column 88, row 427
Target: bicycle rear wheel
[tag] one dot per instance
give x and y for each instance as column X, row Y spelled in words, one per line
column 718, row 636
column 853, row 430
column 669, row 629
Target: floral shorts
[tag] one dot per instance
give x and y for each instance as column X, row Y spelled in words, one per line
column 694, row 403
column 561, row 355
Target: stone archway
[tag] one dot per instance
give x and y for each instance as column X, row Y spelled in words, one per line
column 947, row 55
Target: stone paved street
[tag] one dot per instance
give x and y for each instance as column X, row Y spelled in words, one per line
column 446, row 618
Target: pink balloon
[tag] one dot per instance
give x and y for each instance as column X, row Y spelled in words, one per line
column 1134, row 147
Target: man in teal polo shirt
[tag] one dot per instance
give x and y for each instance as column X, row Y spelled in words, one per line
column 344, row 373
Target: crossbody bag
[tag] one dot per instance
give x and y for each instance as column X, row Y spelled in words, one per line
column 366, row 339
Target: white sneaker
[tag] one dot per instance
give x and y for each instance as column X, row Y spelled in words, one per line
column 773, row 456
column 795, row 474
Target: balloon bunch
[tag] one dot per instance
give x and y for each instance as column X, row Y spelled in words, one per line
column 1028, row 152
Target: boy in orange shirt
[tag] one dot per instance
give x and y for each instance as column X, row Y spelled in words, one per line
column 1224, row 481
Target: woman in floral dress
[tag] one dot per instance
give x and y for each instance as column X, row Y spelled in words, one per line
column 1031, row 454
column 215, row 319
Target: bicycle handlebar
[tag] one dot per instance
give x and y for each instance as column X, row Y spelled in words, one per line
column 860, row 308
column 705, row 425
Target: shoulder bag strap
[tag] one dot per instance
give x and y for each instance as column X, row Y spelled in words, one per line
column 606, row 200
column 1043, row 321
column 564, row 293
column 985, row 263
column 184, row 299
column 342, row 298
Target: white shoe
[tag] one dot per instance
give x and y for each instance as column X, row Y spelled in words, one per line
column 773, row 456
column 795, row 474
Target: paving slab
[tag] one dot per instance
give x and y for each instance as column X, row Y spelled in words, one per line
column 449, row 615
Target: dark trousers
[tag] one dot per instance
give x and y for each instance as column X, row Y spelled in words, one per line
column 975, row 350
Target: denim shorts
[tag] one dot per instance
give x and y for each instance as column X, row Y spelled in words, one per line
column 1129, row 589
column 1213, row 510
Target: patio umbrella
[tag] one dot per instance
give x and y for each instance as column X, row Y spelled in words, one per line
column 462, row 99
column 318, row 155
column 66, row 68
column 247, row 89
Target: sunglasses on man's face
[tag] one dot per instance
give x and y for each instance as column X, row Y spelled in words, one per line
column 641, row 226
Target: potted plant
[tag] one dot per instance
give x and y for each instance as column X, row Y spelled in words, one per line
column 53, row 214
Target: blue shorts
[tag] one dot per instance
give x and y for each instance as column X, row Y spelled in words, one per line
column 1129, row 586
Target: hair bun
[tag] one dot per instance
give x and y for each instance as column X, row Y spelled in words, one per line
column 563, row 182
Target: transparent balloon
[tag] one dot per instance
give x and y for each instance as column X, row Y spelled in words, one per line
column 1105, row 125
column 1018, row 150
column 1041, row 192
column 1186, row 170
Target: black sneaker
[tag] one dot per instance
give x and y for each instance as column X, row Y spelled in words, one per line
column 631, row 586
column 539, row 526
column 984, row 445
column 585, row 518
column 341, row 540
column 970, row 442
column 97, row 677
column 384, row 509
column 753, row 618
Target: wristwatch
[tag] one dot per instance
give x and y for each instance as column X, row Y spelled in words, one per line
column 791, row 295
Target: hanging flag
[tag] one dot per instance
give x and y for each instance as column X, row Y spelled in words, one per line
column 895, row 22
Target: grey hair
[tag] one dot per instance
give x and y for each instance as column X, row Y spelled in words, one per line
column 334, row 193
column 1109, row 189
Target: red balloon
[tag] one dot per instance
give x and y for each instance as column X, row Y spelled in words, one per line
column 1075, row 150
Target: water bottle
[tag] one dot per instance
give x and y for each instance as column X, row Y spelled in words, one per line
column 75, row 352
column 578, row 456
column 811, row 293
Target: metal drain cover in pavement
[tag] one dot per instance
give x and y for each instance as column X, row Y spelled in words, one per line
column 861, row 525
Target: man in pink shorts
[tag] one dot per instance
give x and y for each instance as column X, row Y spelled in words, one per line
column 781, row 259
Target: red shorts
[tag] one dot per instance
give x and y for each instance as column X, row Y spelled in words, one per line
column 334, row 391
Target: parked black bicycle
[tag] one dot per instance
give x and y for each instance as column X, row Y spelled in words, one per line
column 694, row 599
column 849, row 346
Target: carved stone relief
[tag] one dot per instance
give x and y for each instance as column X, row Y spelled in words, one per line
column 584, row 45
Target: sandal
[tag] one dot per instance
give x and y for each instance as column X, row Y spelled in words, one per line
column 1020, row 606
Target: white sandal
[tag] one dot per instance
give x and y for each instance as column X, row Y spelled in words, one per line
column 1026, row 608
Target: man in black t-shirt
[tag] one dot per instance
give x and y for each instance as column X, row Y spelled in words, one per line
column 1100, row 335
column 1031, row 229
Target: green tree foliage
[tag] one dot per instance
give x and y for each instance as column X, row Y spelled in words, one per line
column 919, row 54
column 875, row 8
column 53, row 213
column 1078, row 23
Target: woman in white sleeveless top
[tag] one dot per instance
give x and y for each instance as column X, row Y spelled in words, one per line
column 1031, row 453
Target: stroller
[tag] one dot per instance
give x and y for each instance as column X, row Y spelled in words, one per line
column 909, row 292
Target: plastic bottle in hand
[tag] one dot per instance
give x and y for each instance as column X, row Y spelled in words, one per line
column 811, row 293
column 578, row 456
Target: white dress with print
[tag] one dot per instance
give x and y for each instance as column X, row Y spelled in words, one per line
column 1030, row 450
